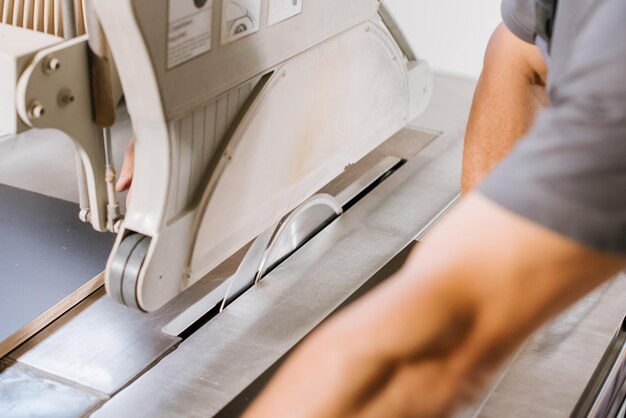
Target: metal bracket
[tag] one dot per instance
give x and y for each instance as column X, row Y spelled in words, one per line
column 55, row 92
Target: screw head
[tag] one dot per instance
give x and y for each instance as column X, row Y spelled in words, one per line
column 85, row 215
column 36, row 110
column 52, row 65
column 65, row 97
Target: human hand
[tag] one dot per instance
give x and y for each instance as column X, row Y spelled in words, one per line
column 125, row 180
column 126, row 175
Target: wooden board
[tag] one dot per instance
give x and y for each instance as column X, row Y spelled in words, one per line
column 40, row 15
column 49, row 261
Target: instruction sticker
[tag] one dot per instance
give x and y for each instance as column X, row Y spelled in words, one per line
column 189, row 30
column 281, row 10
column 240, row 18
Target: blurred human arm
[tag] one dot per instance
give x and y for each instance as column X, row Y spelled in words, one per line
column 510, row 92
column 427, row 340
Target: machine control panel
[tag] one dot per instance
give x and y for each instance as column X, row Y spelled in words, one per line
column 281, row 10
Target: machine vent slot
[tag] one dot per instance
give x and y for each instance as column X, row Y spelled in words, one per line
column 196, row 137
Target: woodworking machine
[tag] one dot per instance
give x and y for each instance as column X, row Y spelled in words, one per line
column 241, row 110
column 260, row 126
column 276, row 179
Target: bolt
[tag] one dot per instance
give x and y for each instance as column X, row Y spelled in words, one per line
column 85, row 215
column 35, row 110
column 65, row 97
column 117, row 226
column 52, row 64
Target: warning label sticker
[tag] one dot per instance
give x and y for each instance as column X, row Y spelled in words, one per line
column 281, row 10
column 189, row 30
column 240, row 18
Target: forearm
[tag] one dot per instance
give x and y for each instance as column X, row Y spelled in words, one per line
column 508, row 96
column 427, row 339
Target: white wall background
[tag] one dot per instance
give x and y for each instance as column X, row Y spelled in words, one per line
column 450, row 34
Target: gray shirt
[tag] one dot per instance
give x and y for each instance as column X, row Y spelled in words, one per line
column 569, row 173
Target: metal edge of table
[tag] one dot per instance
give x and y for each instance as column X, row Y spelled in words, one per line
column 549, row 373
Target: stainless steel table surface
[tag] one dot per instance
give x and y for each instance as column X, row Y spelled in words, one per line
column 27, row 392
column 220, row 360
column 548, row 375
column 189, row 378
column 207, row 370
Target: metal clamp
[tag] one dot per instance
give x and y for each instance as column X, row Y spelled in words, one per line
column 55, row 92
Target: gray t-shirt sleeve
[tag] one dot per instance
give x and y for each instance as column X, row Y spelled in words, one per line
column 569, row 173
column 519, row 17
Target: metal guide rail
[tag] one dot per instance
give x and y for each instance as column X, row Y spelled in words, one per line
column 605, row 395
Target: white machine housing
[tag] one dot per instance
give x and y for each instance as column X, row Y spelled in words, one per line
column 241, row 110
